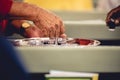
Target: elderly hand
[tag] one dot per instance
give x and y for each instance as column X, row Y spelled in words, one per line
column 28, row 29
column 49, row 24
column 113, row 17
column 32, row 31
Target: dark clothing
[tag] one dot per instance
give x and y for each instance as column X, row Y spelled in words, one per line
column 11, row 67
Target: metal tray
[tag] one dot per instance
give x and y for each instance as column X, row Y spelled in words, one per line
column 54, row 42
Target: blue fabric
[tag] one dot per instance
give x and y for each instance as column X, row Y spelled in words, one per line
column 11, row 67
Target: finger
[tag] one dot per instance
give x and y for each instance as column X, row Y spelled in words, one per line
column 36, row 32
column 63, row 36
column 45, row 32
column 51, row 32
column 117, row 21
column 62, row 28
column 113, row 13
column 57, row 30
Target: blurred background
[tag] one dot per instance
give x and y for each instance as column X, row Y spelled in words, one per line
column 75, row 5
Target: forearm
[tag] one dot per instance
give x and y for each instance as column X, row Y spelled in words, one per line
column 24, row 11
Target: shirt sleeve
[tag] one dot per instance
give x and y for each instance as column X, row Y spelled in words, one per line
column 5, row 6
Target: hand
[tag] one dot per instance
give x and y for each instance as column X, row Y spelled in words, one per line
column 113, row 17
column 33, row 31
column 50, row 23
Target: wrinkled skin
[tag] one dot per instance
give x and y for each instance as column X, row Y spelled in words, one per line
column 47, row 24
column 113, row 16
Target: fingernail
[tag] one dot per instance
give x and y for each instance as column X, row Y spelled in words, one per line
column 116, row 21
column 63, row 35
